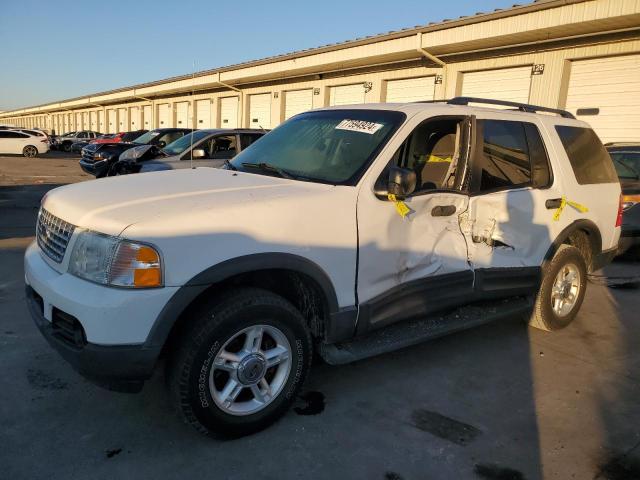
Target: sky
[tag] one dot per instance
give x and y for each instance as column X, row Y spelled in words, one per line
column 53, row 50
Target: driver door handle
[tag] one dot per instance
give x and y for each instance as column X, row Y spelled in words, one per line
column 443, row 210
column 553, row 203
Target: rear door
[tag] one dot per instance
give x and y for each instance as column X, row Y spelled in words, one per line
column 509, row 224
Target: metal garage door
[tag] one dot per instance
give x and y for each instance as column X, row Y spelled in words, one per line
column 164, row 116
column 85, row 121
column 146, row 117
column 101, row 125
column 203, row 113
column 512, row 84
column 134, row 116
column 297, row 101
column 229, row 112
column 411, row 89
column 112, row 124
column 182, row 114
column 93, row 118
column 67, row 123
column 123, row 120
column 78, row 123
column 260, row 111
column 611, row 85
column 346, row 94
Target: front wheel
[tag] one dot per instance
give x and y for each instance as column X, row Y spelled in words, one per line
column 66, row 147
column 240, row 364
column 564, row 283
column 30, row 151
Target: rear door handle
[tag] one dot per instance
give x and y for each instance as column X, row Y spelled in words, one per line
column 553, row 203
column 443, row 210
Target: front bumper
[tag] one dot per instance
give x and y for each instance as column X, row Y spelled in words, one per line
column 108, row 341
column 97, row 169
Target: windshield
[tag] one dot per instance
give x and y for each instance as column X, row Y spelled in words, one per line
column 331, row 146
column 147, row 137
column 183, row 143
column 627, row 163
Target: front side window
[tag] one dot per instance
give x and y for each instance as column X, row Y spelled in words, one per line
column 589, row 159
column 331, row 146
column 220, row 147
column 82, row 135
column 170, row 137
column 505, row 161
column 183, row 143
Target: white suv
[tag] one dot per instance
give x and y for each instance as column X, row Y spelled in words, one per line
column 341, row 231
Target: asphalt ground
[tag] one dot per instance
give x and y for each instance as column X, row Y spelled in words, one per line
column 498, row 402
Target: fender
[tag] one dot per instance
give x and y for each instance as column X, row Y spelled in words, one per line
column 595, row 238
column 227, row 269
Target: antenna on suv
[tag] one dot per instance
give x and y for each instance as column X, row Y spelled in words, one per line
column 193, row 82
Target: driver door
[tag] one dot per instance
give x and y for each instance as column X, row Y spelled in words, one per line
column 413, row 265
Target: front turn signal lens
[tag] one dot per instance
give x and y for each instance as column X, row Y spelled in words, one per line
column 136, row 265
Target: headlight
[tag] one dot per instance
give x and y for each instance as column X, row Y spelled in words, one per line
column 112, row 261
column 100, row 156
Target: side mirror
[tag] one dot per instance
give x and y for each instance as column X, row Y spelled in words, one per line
column 402, row 182
column 198, row 153
column 162, row 144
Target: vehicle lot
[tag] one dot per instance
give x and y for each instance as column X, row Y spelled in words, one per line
column 499, row 402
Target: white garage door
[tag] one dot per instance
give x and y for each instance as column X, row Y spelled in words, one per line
column 203, row 113
column 134, row 116
column 85, row 121
column 67, row 123
column 78, row 121
column 260, row 111
column 229, row 112
column 123, row 120
column 112, row 124
column 182, row 114
column 611, row 85
column 512, row 84
column 410, row 89
column 346, row 94
column 164, row 114
column 146, row 117
column 101, row 121
column 297, row 101
column 94, row 121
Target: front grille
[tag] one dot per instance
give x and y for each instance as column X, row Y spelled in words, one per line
column 53, row 235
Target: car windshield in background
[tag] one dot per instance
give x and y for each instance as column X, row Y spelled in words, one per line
column 183, row 143
column 331, row 146
column 627, row 164
column 147, row 137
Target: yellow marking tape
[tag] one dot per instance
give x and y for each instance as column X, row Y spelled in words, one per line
column 563, row 203
column 401, row 207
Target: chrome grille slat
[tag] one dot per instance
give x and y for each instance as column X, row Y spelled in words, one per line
column 53, row 235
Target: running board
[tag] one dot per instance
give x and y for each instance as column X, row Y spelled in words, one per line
column 407, row 333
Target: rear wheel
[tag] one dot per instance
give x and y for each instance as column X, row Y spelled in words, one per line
column 66, row 146
column 240, row 363
column 562, row 291
column 30, row 151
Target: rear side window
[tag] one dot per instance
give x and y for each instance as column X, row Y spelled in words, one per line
column 504, row 162
column 589, row 159
column 6, row 134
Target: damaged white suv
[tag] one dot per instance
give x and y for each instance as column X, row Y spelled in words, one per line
column 345, row 230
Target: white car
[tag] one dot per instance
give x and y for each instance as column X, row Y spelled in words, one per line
column 21, row 143
column 344, row 230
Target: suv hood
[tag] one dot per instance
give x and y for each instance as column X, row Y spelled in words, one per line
column 110, row 205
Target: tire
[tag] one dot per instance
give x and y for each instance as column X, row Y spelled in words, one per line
column 196, row 369
column 66, row 147
column 30, row 151
column 558, row 301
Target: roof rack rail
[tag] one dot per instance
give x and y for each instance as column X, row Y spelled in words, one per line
column 523, row 107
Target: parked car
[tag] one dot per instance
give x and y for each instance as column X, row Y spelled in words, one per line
column 97, row 159
column 626, row 159
column 120, row 137
column 65, row 141
column 339, row 231
column 36, row 133
column 202, row 148
column 21, row 143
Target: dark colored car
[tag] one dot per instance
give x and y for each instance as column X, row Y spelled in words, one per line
column 202, row 148
column 626, row 159
column 98, row 158
column 109, row 138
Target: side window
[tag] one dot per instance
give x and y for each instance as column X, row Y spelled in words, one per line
column 169, row 137
column 82, row 135
column 504, row 162
column 540, row 166
column 431, row 151
column 589, row 159
column 222, row 147
column 7, row 134
column 247, row 139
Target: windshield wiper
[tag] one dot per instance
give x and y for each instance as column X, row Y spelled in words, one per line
column 267, row 167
